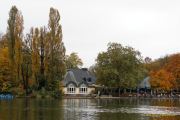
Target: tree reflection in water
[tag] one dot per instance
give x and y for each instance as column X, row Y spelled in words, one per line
column 90, row 109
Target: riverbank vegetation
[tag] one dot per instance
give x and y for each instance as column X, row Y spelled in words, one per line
column 165, row 72
column 122, row 68
column 35, row 63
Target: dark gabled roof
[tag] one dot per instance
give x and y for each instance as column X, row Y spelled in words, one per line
column 145, row 83
column 79, row 76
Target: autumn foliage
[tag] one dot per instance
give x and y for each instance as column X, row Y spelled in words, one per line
column 162, row 79
column 32, row 61
column 165, row 72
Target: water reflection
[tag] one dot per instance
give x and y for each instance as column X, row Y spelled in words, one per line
column 25, row 109
column 90, row 109
column 80, row 109
column 165, row 118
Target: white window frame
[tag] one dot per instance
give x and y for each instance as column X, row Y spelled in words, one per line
column 83, row 89
column 71, row 89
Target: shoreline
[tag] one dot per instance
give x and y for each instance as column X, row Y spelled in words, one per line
column 10, row 96
column 121, row 98
column 100, row 98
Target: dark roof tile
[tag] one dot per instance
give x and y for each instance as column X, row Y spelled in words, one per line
column 79, row 76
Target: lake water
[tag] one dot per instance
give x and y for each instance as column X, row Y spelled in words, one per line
column 90, row 109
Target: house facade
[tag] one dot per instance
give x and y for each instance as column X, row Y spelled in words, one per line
column 78, row 82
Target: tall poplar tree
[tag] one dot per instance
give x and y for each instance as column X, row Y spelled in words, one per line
column 56, row 48
column 15, row 35
column 35, row 55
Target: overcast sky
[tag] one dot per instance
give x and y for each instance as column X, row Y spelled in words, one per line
column 150, row 26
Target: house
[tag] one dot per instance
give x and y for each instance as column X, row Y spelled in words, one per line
column 78, row 82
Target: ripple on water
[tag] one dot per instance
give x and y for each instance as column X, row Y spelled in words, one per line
column 146, row 110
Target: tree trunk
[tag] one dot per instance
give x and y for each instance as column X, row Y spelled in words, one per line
column 124, row 90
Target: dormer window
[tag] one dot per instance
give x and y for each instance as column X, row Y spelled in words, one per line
column 89, row 80
column 84, row 79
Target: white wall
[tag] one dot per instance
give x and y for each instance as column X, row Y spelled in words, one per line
column 89, row 90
